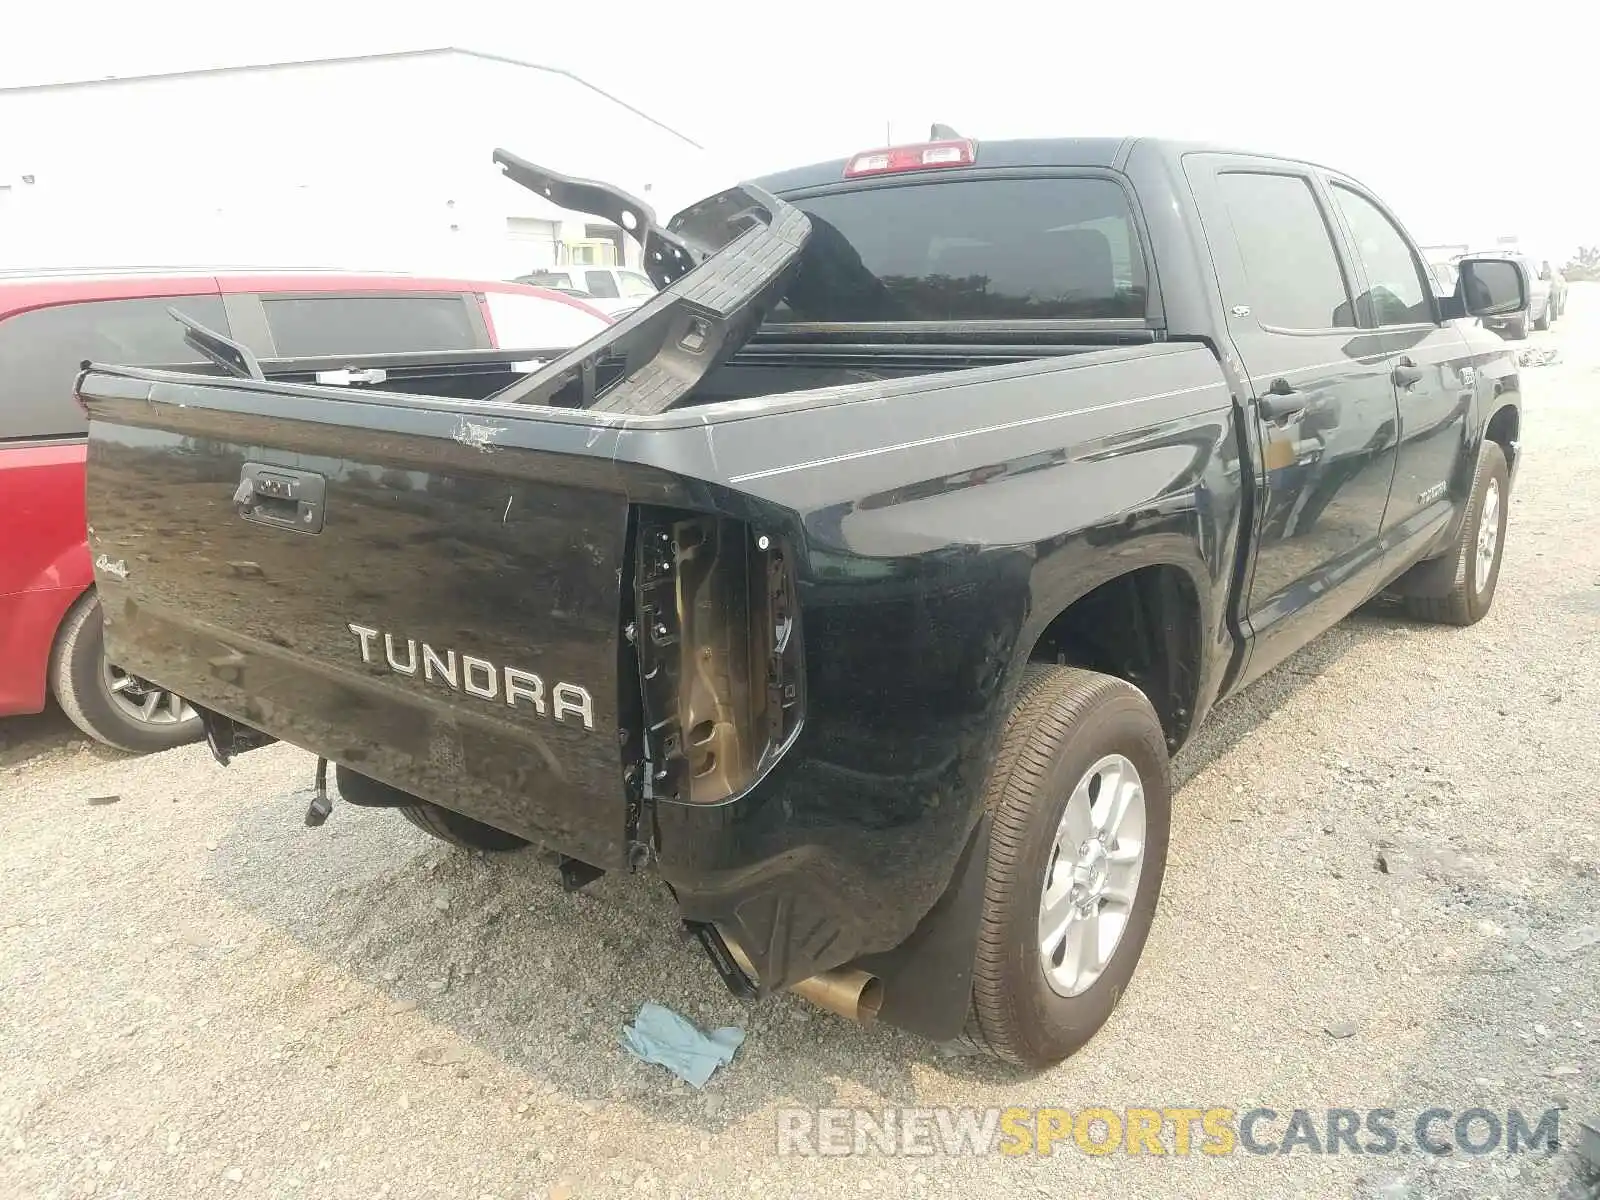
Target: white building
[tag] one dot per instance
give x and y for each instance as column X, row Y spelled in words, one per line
column 373, row 162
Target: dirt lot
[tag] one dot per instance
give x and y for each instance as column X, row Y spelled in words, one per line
column 200, row 997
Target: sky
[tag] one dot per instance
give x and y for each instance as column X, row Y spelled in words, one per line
column 1473, row 121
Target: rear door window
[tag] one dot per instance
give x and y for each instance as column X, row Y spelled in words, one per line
column 966, row 250
column 309, row 326
column 41, row 351
column 1295, row 280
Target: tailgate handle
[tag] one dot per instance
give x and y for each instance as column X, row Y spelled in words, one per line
column 281, row 497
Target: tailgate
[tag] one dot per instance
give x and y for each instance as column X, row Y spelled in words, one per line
column 381, row 584
column 429, row 591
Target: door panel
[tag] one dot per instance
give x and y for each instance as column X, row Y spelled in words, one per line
column 1431, row 371
column 1323, row 406
column 1434, row 414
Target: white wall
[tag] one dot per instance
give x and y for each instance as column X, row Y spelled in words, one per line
column 382, row 163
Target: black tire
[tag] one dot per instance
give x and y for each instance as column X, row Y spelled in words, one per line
column 442, row 823
column 78, row 681
column 1517, row 330
column 1542, row 321
column 1065, row 721
column 1467, row 603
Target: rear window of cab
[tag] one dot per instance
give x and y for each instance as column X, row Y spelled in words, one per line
column 970, row 250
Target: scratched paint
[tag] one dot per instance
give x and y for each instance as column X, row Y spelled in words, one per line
column 476, row 434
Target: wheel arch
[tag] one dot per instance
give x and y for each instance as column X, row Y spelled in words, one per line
column 1145, row 625
column 84, row 597
column 928, row 977
column 31, row 626
column 1505, row 429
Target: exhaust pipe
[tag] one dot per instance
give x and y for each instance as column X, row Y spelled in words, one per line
column 847, row 992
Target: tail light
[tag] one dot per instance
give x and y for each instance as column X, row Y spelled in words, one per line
column 924, row 156
column 718, row 645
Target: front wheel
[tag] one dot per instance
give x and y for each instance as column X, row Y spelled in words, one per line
column 1478, row 549
column 107, row 703
column 1081, row 798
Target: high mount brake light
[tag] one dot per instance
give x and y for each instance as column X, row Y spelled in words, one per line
column 924, row 156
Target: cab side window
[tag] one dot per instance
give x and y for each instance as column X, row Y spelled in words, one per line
column 1396, row 292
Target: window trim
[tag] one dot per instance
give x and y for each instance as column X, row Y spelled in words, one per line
column 1419, row 265
column 1155, row 313
column 1337, row 241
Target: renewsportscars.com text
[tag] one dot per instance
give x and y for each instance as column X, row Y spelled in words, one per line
column 1177, row 1131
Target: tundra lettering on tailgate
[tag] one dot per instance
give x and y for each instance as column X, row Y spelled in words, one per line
column 476, row 676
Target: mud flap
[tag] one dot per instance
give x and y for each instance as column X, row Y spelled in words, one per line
column 927, row 979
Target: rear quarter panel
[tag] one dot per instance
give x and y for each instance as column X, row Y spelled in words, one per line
column 941, row 524
column 44, row 562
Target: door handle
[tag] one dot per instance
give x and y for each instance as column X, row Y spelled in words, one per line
column 1407, row 373
column 1281, row 401
column 281, row 497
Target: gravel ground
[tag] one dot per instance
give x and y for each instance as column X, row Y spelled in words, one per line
column 200, row 997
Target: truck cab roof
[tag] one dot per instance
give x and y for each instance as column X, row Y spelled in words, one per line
column 1109, row 153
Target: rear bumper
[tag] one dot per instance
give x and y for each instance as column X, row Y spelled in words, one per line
column 865, row 843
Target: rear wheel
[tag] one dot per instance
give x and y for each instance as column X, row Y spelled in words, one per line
column 106, row 702
column 1542, row 322
column 1517, row 328
column 458, row 830
column 1478, row 550
column 1081, row 796
column 442, row 823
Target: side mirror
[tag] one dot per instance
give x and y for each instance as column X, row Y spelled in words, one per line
column 1490, row 287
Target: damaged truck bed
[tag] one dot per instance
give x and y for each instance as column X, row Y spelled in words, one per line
column 860, row 583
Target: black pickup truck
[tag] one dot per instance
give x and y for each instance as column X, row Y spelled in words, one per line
column 861, row 582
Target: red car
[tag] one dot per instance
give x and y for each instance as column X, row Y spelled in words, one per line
column 50, row 637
